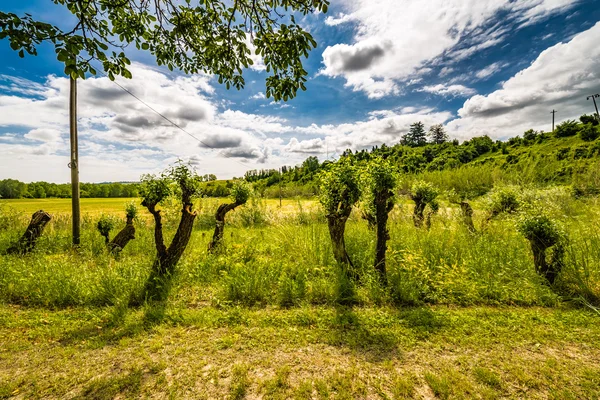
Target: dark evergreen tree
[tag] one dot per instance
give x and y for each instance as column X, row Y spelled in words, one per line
column 416, row 135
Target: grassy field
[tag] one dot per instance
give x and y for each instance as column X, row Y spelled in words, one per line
column 464, row 316
column 96, row 207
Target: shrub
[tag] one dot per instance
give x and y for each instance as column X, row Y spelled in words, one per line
column 588, row 132
column 504, row 200
column 566, row 129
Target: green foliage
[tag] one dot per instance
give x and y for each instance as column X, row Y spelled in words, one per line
column 415, row 136
column 423, row 192
column 203, row 37
column 437, row 134
column 240, row 192
column 339, row 188
column 589, row 119
column 131, row 210
column 504, row 200
column 566, row 129
column 105, row 224
column 155, row 189
column 589, row 132
column 379, row 177
column 180, row 179
column 540, row 228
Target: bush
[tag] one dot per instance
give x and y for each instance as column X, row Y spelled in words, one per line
column 504, row 200
column 566, row 129
column 588, row 132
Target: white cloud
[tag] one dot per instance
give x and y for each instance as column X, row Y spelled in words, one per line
column 448, row 90
column 392, row 42
column 560, row 78
column 489, row 70
column 116, row 129
column 258, row 96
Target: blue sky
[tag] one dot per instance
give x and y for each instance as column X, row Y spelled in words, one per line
column 495, row 67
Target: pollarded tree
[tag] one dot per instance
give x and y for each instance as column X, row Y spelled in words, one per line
column 240, row 192
column 180, row 180
column 338, row 193
column 424, row 194
column 437, row 134
column 193, row 36
column 379, row 179
column 543, row 233
column 125, row 235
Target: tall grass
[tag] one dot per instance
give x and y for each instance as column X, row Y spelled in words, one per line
column 272, row 258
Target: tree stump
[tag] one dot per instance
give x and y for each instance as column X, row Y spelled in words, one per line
column 35, row 229
column 122, row 238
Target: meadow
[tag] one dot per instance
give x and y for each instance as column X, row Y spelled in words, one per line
column 464, row 315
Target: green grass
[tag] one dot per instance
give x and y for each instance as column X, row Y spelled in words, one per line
column 307, row 352
column 463, row 316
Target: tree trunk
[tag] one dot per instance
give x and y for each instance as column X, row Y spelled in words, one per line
column 418, row 213
column 35, row 229
column 382, row 209
column 220, row 224
column 337, row 227
column 167, row 258
column 539, row 259
column 467, row 213
column 123, row 237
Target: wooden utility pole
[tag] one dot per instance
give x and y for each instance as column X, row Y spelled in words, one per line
column 593, row 97
column 280, row 173
column 553, row 112
column 74, row 164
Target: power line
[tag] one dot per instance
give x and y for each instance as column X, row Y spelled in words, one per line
column 172, row 122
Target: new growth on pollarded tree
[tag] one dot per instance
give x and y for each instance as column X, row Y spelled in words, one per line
column 338, row 193
column 125, row 235
column 379, row 179
column 180, row 180
column 543, row 233
column 208, row 36
column 424, row 194
column 240, row 192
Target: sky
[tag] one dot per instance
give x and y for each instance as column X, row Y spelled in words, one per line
column 480, row 67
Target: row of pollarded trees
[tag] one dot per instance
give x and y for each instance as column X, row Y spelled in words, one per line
column 344, row 184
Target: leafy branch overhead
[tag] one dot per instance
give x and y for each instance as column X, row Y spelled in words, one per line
column 211, row 36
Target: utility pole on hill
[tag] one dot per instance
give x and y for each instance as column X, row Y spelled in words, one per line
column 553, row 112
column 593, row 97
column 74, row 164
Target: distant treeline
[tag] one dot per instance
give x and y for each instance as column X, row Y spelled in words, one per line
column 14, row 189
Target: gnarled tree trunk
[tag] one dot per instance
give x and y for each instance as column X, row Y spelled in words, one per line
column 35, row 229
column 123, row 237
column 383, row 206
column 418, row 212
column 548, row 270
column 467, row 214
column 220, row 224
column 337, row 227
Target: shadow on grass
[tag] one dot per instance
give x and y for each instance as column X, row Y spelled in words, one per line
column 381, row 338
column 140, row 314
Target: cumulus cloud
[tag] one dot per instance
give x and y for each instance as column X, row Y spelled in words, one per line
column 392, row 43
column 560, row 78
column 116, row 128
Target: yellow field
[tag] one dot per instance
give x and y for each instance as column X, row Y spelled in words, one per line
column 117, row 205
